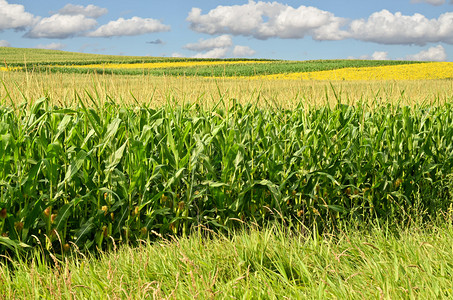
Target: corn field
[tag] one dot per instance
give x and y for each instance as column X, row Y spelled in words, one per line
column 94, row 176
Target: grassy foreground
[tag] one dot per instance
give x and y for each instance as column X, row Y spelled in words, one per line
column 414, row 263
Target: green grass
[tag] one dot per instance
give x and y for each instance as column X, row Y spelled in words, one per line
column 272, row 263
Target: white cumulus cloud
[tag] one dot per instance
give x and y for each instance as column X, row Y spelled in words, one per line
column 90, row 10
column 377, row 55
column 223, row 41
column 133, row 26
column 51, row 46
column 385, row 27
column 4, row 43
column 61, row 26
column 264, row 20
column 14, row 16
column 243, row 51
column 432, row 2
column 218, row 47
column 436, row 53
column 380, row 55
column 222, row 52
column 176, row 54
column 214, row 53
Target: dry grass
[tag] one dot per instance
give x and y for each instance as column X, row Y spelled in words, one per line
column 159, row 90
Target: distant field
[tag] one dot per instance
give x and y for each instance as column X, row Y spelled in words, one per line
column 22, row 56
column 155, row 91
column 159, row 80
column 217, row 68
column 69, row 62
column 420, row 71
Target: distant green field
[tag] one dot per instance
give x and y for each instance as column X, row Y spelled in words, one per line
column 45, row 61
column 26, row 56
column 277, row 67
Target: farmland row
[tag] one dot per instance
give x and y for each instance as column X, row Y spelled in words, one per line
column 421, row 71
column 210, row 68
column 67, row 62
column 156, row 91
column 24, row 56
column 92, row 176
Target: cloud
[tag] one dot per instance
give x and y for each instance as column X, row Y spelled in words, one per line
column 432, row 2
column 129, row 27
column 61, row 26
column 243, row 51
column 385, row 27
column 264, row 20
column 90, row 11
column 13, row 16
column 436, row 53
column 222, row 52
column 377, row 55
column 380, row 55
column 4, row 43
column 156, row 42
column 87, row 46
column 176, row 54
column 218, row 47
column 223, row 41
column 51, row 46
column 214, row 53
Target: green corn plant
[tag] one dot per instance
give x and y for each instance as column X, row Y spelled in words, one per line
column 101, row 173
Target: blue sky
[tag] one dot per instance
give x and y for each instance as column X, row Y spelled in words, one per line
column 294, row 30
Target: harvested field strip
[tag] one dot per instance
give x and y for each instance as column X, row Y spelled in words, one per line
column 158, row 90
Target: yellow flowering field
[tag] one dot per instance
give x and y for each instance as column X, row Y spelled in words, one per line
column 431, row 70
column 5, row 69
